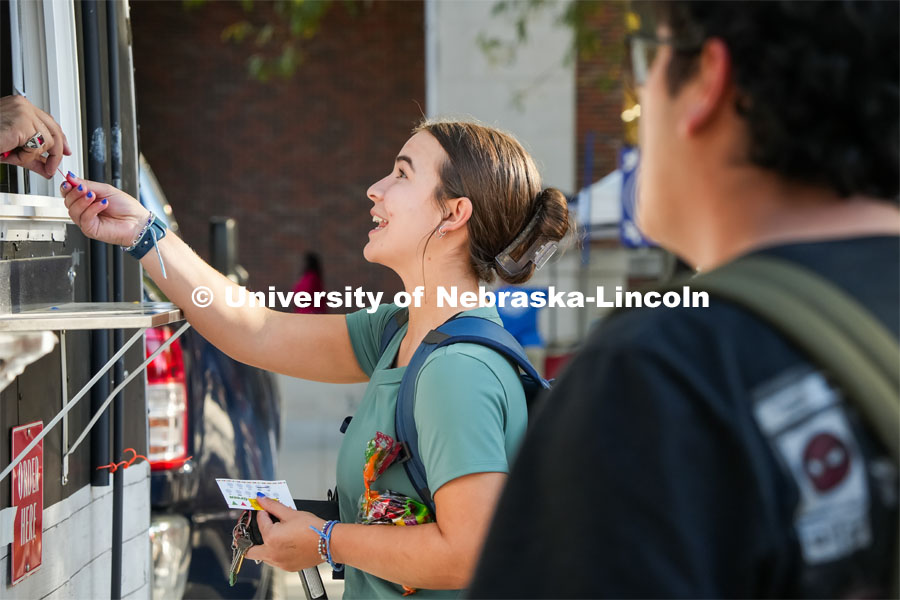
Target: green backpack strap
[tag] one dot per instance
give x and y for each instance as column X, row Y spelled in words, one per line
column 825, row 323
column 830, row 327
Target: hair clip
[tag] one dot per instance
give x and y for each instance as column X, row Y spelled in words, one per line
column 543, row 254
column 538, row 254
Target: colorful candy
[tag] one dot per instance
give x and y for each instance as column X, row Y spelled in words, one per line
column 387, row 507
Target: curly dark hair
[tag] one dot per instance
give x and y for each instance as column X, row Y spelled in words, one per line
column 817, row 84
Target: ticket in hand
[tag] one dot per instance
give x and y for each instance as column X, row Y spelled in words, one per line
column 242, row 493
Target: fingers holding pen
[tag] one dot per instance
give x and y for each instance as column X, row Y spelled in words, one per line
column 83, row 203
column 72, row 190
column 103, row 190
column 102, row 211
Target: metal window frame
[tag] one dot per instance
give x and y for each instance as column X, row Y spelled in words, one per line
column 45, row 69
column 29, row 217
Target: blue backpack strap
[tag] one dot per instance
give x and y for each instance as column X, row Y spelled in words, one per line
column 473, row 330
column 398, row 319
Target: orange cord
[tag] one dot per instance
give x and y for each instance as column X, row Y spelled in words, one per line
column 113, row 467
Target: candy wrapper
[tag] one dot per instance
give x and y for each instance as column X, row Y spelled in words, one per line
column 381, row 451
column 387, row 507
column 382, row 508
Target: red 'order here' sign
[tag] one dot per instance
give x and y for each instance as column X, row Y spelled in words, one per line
column 28, row 496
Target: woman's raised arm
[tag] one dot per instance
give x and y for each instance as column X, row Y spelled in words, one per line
column 313, row 347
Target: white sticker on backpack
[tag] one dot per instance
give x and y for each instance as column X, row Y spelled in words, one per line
column 807, row 426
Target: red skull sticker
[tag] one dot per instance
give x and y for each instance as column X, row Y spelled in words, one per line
column 826, row 461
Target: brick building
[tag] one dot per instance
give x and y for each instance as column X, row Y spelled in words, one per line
column 599, row 92
column 291, row 160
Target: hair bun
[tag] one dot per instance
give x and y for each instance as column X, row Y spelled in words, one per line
column 543, row 197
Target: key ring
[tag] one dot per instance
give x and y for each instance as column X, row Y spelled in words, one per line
column 240, row 530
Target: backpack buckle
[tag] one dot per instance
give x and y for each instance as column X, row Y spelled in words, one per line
column 346, row 424
column 404, row 455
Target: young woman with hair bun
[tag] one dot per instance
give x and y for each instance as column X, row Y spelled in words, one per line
column 462, row 204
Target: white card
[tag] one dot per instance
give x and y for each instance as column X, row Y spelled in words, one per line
column 241, row 493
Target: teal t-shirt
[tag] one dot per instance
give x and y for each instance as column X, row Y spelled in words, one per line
column 470, row 415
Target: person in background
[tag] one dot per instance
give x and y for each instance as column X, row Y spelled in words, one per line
column 694, row 452
column 26, row 133
column 310, row 282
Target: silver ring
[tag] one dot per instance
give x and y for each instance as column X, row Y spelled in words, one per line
column 35, row 141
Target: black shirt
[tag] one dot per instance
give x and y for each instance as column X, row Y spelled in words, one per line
column 692, row 452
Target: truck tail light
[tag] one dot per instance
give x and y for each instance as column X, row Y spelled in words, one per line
column 167, row 403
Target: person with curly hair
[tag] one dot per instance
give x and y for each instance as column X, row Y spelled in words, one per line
column 696, row 452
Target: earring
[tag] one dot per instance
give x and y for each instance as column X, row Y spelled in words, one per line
column 441, row 231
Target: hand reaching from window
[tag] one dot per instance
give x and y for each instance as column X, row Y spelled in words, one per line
column 27, row 133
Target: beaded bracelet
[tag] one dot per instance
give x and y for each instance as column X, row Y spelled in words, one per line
column 141, row 233
column 324, row 546
column 148, row 237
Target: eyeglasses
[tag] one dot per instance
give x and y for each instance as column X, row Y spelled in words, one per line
column 641, row 52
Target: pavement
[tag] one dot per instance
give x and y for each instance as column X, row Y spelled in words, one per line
column 312, row 414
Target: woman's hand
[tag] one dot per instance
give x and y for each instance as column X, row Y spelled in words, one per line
column 103, row 212
column 290, row 544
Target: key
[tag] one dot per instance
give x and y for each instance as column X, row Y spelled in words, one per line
column 241, row 545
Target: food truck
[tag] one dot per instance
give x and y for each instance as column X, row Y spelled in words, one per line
column 73, row 420
column 113, row 425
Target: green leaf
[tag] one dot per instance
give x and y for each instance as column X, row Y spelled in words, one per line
column 287, row 24
column 264, row 35
column 256, row 66
column 237, row 32
column 287, row 62
column 521, row 30
column 582, row 17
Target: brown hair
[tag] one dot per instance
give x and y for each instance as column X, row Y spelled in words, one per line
column 493, row 170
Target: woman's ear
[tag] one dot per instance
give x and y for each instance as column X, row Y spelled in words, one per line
column 457, row 213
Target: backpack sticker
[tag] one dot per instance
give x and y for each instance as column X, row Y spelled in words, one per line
column 806, row 424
